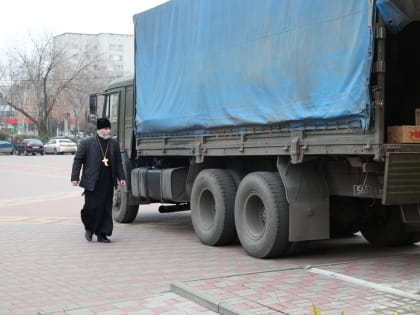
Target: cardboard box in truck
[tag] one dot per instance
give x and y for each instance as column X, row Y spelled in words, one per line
column 404, row 134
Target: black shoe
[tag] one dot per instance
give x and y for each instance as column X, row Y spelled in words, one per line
column 88, row 235
column 103, row 239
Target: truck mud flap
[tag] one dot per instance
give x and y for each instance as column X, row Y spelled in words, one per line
column 308, row 197
column 401, row 178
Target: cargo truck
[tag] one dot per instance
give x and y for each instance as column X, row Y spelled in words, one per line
column 271, row 120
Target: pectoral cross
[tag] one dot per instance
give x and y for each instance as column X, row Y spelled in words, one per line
column 105, row 161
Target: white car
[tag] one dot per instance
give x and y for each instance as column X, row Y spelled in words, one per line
column 60, row 146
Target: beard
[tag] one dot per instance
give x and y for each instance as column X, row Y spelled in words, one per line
column 106, row 137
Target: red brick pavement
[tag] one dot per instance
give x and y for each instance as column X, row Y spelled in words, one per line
column 294, row 291
column 48, row 268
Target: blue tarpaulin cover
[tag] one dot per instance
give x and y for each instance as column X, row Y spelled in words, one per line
column 203, row 64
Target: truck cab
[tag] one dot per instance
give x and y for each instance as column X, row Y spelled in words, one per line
column 118, row 107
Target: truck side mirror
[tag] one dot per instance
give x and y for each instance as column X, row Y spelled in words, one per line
column 92, row 118
column 93, row 104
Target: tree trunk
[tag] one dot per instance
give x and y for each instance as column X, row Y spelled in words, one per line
column 43, row 130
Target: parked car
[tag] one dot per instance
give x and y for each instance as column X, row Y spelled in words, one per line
column 30, row 146
column 60, row 146
column 6, row 147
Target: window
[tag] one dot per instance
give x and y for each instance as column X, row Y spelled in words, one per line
column 112, row 107
column 65, row 141
column 9, row 114
column 114, row 47
column 115, row 57
column 35, row 142
column 118, row 68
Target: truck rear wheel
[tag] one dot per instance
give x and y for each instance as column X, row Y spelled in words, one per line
column 262, row 215
column 122, row 212
column 237, row 175
column 212, row 204
column 383, row 226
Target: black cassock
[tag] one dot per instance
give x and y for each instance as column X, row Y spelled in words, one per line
column 97, row 211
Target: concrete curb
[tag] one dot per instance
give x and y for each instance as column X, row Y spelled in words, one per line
column 194, row 295
column 226, row 307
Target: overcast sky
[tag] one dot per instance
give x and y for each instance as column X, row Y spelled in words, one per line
column 19, row 18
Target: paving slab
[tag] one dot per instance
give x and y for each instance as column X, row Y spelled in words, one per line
column 47, row 267
column 385, row 285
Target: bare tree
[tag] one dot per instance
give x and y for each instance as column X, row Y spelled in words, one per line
column 93, row 79
column 37, row 78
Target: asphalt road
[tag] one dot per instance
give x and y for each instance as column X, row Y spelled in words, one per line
column 48, row 268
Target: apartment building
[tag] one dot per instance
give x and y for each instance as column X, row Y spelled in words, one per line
column 114, row 52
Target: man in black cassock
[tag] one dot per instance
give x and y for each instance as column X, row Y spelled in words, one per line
column 100, row 158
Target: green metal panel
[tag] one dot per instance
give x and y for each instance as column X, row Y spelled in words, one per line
column 402, row 178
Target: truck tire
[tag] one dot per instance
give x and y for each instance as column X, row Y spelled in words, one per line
column 237, row 175
column 383, row 226
column 122, row 212
column 212, row 206
column 262, row 215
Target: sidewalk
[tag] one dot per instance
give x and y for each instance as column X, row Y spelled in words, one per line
column 389, row 285
column 164, row 303
column 378, row 286
column 48, row 268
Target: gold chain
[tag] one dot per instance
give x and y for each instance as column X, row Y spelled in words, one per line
column 104, row 160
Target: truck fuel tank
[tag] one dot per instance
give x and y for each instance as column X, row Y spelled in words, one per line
column 160, row 185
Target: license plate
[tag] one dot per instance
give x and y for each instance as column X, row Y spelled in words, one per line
column 35, row 147
column 367, row 190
